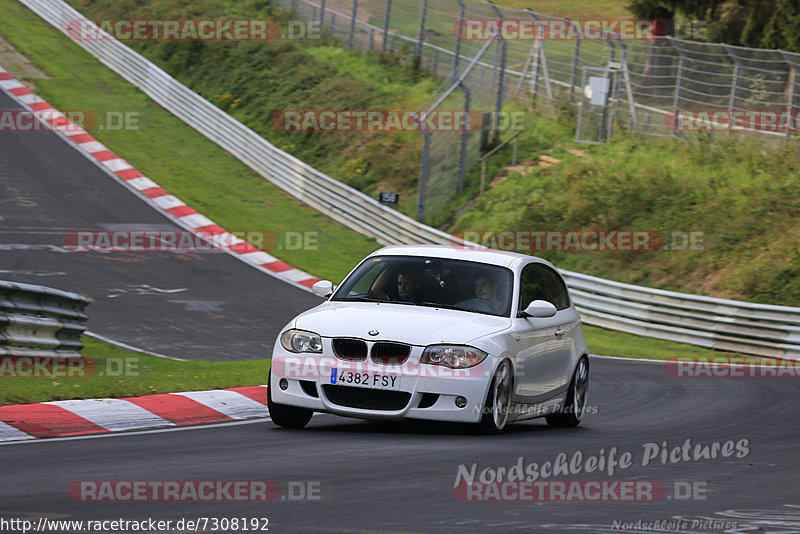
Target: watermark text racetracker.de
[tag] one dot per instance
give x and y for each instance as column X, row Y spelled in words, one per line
column 66, row 367
column 194, row 490
column 186, row 241
column 192, row 29
column 619, row 240
column 77, row 121
column 545, row 480
column 376, row 120
column 740, row 120
column 731, row 367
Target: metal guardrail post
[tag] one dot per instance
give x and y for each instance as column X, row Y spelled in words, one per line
column 322, row 13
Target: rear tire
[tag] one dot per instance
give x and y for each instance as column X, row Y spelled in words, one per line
column 283, row 415
column 497, row 408
column 575, row 403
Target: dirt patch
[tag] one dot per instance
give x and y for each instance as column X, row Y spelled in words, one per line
column 19, row 65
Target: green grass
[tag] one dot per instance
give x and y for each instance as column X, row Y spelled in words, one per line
column 115, row 373
column 611, row 343
column 574, row 9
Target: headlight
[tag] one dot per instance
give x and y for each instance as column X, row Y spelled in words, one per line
column 301, row 341
column 453, row 356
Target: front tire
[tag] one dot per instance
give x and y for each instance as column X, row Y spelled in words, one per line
column 283, row 415
column 497, row 408
column 575, row 403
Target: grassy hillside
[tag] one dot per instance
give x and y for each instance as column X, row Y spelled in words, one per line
column 742, row 196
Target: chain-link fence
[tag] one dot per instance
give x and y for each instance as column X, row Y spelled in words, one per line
column 655, row 85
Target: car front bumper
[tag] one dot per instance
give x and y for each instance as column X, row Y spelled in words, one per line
column 421, row 391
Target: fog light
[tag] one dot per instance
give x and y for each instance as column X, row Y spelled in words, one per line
column 284, row 384
column 461, row 402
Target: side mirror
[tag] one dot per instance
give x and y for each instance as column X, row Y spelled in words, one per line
column 323, row 288
column 540, row 309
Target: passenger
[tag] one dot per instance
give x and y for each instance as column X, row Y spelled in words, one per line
column 486, row 289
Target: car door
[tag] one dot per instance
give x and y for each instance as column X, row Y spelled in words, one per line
column 544, row 345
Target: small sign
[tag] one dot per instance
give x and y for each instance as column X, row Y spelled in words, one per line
column 597, row 90
column 390, row 199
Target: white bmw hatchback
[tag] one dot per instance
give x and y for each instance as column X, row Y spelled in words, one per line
column 437, row 333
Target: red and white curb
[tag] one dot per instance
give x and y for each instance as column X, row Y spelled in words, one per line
column 96, row 416
column 150, row 191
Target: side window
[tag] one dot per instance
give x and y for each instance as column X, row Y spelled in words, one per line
column 540, row 282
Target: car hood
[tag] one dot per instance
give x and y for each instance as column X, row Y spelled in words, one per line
column 416, row 325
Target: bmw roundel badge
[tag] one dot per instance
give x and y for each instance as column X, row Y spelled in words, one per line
column 373, row 332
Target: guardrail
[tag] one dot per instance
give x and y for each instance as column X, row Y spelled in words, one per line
column 731, row 325
column 37, row 321
column 760, row 329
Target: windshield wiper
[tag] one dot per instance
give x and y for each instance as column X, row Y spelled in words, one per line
column 440, row 305
column 360, row 299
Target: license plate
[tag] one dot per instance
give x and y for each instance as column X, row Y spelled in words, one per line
column 347, row 377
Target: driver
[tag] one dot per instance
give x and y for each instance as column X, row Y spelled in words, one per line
column 486, row 289
column 407, row 289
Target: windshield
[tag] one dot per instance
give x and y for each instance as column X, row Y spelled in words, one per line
column 432, row 282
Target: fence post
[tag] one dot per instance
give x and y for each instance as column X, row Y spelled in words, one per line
column 423, row 173
column 792, row 87
column 734, row 86
column 462, row 161
column 501, row 71
column 575, row 56
column 386, row 18
column 533, row 57
column 421, row 34
column 458, row 37
column 321, row 13
column 676, row 105
column 352, row 24
column 626, row 79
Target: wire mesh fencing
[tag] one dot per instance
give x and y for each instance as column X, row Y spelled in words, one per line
column 657, row 85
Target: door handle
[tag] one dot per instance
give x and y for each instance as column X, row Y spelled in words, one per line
column 560, row 332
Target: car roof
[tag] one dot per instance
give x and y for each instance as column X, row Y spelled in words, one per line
column 457, row 252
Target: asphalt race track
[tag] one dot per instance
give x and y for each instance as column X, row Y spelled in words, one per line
column 207, row 306
column 369, row 477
